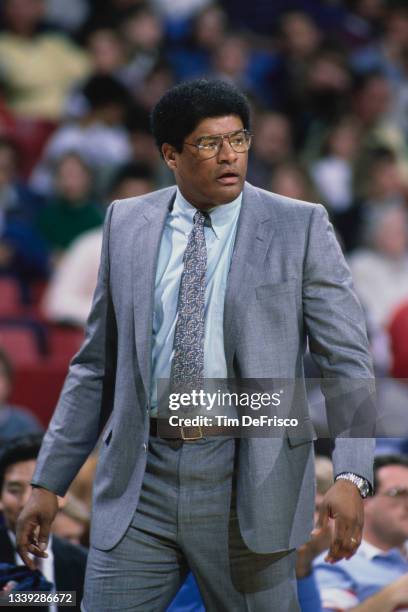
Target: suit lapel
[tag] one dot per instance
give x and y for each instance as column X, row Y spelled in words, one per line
column 146, row 240
column 256, row 226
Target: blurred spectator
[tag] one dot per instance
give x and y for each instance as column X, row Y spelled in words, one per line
column 68, row 297
column 69, row 16
column 22, row 252
column 97, row 135
column 143, row 34
column 272, row 144
column 144, row 149
column 107, row 51
column 385, row 53
column 72, row 521
column 65, row 565
column 192, row 57
column 333, row 175
column 156, row 83
column 333, row 170
column 37, row 67
column 372, row 106
column 72, row 211
column 291, row 180
column 392, row 393
column 376, row 577
column 308, row 594
column 380, row 270
column 177, row 9
column 298, row 39
column 14, row 421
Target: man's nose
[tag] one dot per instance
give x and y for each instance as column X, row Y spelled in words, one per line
column 226, row 152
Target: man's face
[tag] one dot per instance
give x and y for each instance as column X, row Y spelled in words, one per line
column 206, row 183
column 387, row 516
column 16, row 490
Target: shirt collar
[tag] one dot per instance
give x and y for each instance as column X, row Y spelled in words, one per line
column 221, row 216
column 370, row 551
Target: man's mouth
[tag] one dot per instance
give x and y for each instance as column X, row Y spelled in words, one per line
column 228, row 178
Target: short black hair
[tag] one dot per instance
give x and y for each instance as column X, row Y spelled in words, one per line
column 132, row 170
column 182, row 108
column 383, row 460
column 21, row 448
column 102, row 90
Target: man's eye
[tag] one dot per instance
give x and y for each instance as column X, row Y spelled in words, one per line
column 238, row 140
column 209, row 144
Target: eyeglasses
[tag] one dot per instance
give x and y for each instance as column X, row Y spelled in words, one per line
column 210, row 146
column 397, row 493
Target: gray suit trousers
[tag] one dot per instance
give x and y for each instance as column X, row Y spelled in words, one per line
column 186, row 518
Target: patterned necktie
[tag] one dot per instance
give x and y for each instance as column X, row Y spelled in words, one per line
column 188, row 348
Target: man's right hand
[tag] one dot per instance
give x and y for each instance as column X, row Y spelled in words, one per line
column 34, row 523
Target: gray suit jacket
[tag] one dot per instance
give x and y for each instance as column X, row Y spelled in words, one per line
column 287, row 282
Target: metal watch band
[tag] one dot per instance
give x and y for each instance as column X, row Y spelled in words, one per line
column 361, row 483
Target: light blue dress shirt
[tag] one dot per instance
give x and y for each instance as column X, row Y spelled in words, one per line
column 219, row 238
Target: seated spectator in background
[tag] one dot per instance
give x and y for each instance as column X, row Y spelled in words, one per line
column 272, row 145
column 379, row 179
column 72, row 211
column 72, row 521
column 291, row 180
column 69, row 294
column 191, row 58
column 308, row 594
column 375, row 579
column 14, row 421
column 95, row 132
column 392, row 393
column 380, row 269
column 38, row 67
column 65, row 565
column 22, row 252
column 107, row 52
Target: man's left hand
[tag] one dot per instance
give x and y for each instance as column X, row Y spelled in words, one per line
column 343, row 504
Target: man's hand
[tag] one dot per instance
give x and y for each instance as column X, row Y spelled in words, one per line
column 34, row 523
column 344, row 504
column 308, row 552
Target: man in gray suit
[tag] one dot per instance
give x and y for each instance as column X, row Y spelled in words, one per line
column 212, row 279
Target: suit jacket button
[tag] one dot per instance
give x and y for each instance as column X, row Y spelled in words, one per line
column 144, row 447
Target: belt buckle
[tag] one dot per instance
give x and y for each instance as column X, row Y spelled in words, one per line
column 191, row 438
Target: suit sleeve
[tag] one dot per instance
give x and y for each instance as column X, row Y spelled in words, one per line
column 338, row 344
column 85, row 401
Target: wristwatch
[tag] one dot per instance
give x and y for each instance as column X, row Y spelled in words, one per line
column 361, row 483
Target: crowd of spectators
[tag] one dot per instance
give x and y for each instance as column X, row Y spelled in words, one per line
column 328, row 87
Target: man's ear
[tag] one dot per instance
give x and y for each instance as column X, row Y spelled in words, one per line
column 169, row 155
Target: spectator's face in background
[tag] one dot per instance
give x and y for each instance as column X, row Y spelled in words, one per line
column 232, row 57
column 387, row 517
column 373, row 100
column 106, row 50
column 288, row 180
column 209, row 182
column 209, row 28
column 391, row 236
column 143, row 31
column 132, row 187
column 343, row 141
column 16, row 490
column 73, row 180
column 385, row 180
column 300, row 36
column 272, row 138
column 23, row 16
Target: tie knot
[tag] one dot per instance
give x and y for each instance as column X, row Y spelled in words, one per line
column 200, row 217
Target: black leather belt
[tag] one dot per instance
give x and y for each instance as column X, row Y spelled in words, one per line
column 161, row 428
